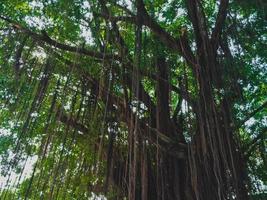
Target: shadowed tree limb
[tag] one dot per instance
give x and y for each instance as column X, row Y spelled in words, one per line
column 119, row 41
column 46, row 39
column 198, row 20
column 165, row 37
column 166, row 143
column 222, row 13
column 180, row 44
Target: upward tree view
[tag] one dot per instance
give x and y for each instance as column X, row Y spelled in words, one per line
column 133, row 99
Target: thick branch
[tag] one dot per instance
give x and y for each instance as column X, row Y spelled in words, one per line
column 45, row 38
column 219, row 22
column 119, row 41
column 167, row 144
column 180, row 45
column 198, row 20
column 48, row 40
column 165, row 37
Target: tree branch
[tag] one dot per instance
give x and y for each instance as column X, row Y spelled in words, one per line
column 198, row 20
column 46, row 39
column 222, row 13
column 118, row 40
column 180, row 45
column 165, row 37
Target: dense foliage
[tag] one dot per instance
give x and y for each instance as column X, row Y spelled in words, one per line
column 133, row 99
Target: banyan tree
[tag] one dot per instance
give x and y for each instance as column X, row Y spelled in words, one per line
column 133, row 99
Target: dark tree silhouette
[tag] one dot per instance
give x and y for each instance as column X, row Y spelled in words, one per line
column 163, row 100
